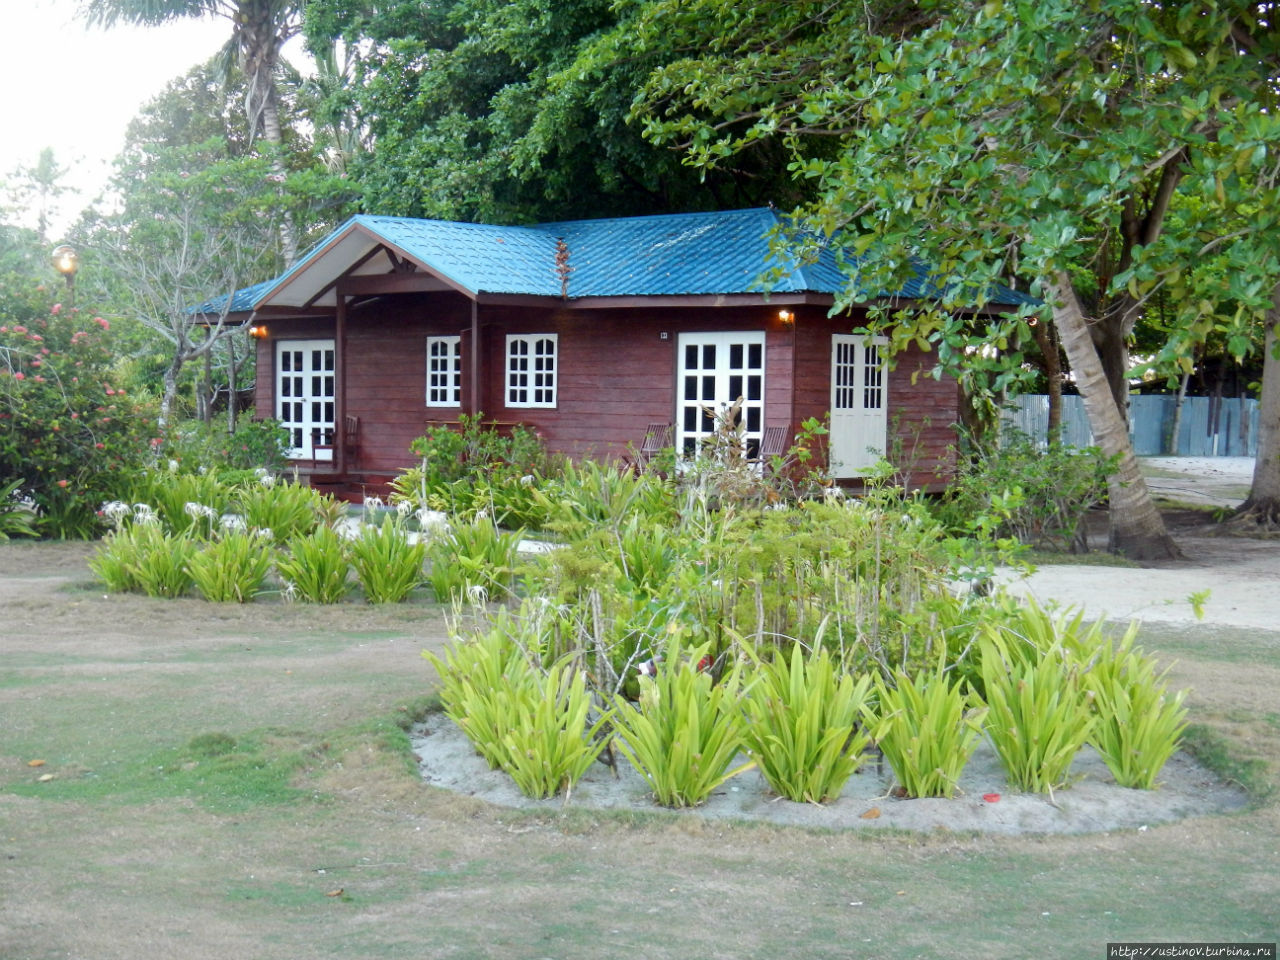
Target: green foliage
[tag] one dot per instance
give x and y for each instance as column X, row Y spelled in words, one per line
column 925, row 730
column 185, row 502
column 161, row 562
column 479, row 677
column 286, row 509
column 74, row 437
column 387, row 566
column 16, row 520
column 1037, row 719
column 687, row 730
column 256, row 444
column 1139, row 724
column 549, row 745
column 314, row 567
column 801, row 725
column 114, row 562
column 476, row 558
column 232, row 568
column 1039, row 496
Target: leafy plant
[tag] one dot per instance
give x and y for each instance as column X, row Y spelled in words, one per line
column 475, row 557
column 802, row 725
column 387, row 565
column 1139, row 724
column 185, row 502
column 114, row 562
column 549, row 744
column 16, row 520
column 231, row 568
column 286, row 509
column 926, row 731
column 1037, row 719
column 686, row 730
column 161, row 566
column 314, row 567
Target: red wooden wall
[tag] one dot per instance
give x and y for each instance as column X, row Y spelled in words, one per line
column 616, row 374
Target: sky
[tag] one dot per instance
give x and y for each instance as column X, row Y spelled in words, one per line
column 65, row 86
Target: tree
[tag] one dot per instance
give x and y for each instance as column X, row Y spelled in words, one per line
column 485, row 109
column 259, row 30
column 999, row 139
column 40, row 185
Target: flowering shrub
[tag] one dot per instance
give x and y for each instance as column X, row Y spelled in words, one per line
column 72, row 436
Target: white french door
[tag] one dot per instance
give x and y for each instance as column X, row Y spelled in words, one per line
column 859, row 405
column 715, row 370
column 305, row 396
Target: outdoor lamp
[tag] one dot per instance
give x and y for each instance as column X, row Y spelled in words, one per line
column 66, row 261
column 786, row 316
column 258, row 331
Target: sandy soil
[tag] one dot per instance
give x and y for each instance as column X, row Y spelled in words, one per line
column 1242, row 578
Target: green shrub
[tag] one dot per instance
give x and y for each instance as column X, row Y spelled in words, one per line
column 16, row 519
column 314, row 567
column 287, row 510
column 161, row 566
column 925, row 731
column 481, row 676
column 66, row 428
column 1037, row 719
column 802, row 725
column 256, row 445
column 685, row 732
column 185, row 502
column 387, row 566
column 1139, row 724
column 231, row 568
column 550, row 742
column 476, row 558
column 1044, row 494
column 115, row 561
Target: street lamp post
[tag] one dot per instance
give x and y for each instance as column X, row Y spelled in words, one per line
column 67, row 261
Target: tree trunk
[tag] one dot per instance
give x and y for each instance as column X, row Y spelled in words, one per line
column 233, row 397
column 1137, row 529
column 1263, row 505
column 1050, row 349
column 170, row 389
column 1176, row 427
column 271, row 130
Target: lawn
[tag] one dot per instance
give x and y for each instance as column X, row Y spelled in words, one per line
column 233, row 781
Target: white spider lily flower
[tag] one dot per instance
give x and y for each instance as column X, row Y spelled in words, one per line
column 433, row 523
column 289, row 592
column 173, row 466
column 526, row 480
column 482, row 514
column 265, row 533
column 267, row 480
column 477, row 594
column 373, row 503
column 199, row 511
column 404, row 508
column 143, row 513
column 231, row 523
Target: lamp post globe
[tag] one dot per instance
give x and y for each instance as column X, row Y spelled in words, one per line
column 67, row 261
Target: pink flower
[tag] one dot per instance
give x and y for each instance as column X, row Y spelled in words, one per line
column 99, row 446
column 39, row 379
column 19, row 375
column 19, row 328
column 110, row 392
column 36, row 338
column 63, row 484
column 74, row 415
column 102, row 323
column 57, row 309
column 4, row 329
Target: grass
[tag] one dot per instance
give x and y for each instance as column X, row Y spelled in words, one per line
column 220, row 773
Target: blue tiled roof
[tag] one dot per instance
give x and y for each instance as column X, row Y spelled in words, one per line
column 242, row 300
column 671, row 254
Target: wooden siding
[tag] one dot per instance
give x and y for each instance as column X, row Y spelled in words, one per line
column 615, row 374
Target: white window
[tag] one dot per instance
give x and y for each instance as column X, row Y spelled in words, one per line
column 531, row 370
column 305, row 395
column 859, row 405
column 716, row 371
column 444, row 371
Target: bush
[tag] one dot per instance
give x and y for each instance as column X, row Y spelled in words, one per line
column 386, row 564
column 256, row 445
column 474, row 559
column 686, row 731
column 288, row 510
column 314, row 567
column 802, row 725
column 76, row 439
column 231, row 568
column 1042, row 495
column 925, row 731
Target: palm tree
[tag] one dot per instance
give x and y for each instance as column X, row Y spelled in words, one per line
column 259, row 30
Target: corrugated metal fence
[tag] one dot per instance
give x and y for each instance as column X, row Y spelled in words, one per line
column 1211, row 427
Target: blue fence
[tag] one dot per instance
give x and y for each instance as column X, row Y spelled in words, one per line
column 1211, row 427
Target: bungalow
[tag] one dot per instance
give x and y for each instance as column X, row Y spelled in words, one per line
column 585, row 331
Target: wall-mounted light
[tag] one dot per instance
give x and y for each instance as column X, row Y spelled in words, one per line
column 258, row 331
column 786, row 317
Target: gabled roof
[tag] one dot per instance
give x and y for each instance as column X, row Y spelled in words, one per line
column 688, row 254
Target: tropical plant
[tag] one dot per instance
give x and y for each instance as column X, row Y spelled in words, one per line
column 161, row 565
column 16, row 519
column 686, row 731
column 802, row 724
column 314, row 567
column 286, row 509
column 926, row 730
column 1037, row 718
column 475, row 557
column 231, row 568
column 1139, row 724
column 387, row 565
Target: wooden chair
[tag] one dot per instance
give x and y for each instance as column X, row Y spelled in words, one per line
column 350, row 445
column 657, row 437
column 774, row 443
